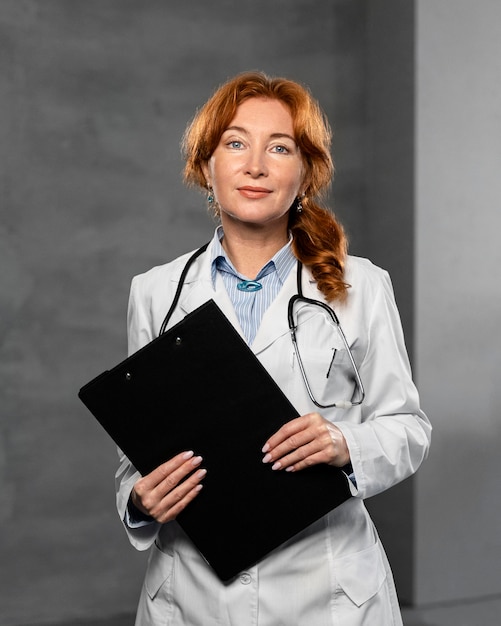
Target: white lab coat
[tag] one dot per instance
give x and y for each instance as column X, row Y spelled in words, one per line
column 335, row 573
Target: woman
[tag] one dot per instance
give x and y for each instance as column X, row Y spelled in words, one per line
column 261, row 149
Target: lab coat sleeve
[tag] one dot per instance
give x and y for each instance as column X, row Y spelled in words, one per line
column 392, row 436
column 139, row 334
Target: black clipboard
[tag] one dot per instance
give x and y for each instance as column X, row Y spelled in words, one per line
column 199, row 387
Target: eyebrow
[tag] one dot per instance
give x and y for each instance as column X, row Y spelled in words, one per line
column 240, row 129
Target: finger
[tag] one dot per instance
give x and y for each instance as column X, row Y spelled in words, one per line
column 329, row 447
column 294, row 464
column 149, row 490
column 154, row 478
column 170, row 513
column 172, row 480
column 316, row 450
column 179, row 498
column 291, row 445
column 167, row 506
column 287, row 430
column 296, row 433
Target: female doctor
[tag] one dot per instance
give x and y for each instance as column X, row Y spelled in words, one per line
column 260, row 147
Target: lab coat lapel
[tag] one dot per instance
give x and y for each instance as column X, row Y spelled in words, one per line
column 275, row 323
column 275, row 320
column 198, row 289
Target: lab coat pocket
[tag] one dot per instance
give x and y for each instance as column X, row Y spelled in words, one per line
column 361, row 575
column 321, row 356
column 159, row 571
column 329, row 373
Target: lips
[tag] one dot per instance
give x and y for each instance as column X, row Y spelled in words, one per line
column 254, row 192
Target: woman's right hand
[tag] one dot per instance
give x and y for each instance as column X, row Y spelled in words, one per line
column 163, row 494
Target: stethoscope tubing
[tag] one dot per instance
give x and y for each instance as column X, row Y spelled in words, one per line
column 292, row 328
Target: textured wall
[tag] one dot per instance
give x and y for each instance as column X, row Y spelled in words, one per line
column 458, row 303
column 94, row 96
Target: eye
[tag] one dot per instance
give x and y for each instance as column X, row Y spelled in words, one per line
column 235, row 144
column 281, row 149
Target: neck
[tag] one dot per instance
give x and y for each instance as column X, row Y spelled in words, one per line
column 250, row 251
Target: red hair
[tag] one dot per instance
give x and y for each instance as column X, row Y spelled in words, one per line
column 319, row 240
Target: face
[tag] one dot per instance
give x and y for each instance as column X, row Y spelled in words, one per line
column 256, row 171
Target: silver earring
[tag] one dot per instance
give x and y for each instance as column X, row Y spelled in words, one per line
column 210, row 198
column 299, row 205
column 212, row 204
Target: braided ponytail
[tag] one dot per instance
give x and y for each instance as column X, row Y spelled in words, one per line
column 319, row 242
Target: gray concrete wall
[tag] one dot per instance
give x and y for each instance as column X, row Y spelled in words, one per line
column 94, row 96
column 458, row 297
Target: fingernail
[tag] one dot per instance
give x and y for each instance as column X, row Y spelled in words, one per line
column 187, row 455
column 196, row 461
column 276, row 465
column 290, row 468
column 265, row 448
column 201, row 473
column 267, row 458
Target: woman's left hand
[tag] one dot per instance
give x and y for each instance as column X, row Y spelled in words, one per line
column 304, row 441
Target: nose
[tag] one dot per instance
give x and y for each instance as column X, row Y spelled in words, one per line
column 255, row 165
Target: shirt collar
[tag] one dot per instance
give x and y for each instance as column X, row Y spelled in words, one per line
column 283, row 260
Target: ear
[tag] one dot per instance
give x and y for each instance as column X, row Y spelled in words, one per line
column 303, row 188
column 305, row 183
column 206, row 171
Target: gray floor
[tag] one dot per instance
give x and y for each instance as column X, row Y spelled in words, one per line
column 485, row 613
column 118, row 620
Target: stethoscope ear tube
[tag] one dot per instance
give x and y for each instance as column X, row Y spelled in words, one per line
column 182, row 278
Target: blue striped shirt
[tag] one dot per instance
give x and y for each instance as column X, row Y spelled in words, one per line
column 250, row 306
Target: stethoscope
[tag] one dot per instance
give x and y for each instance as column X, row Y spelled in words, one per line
column 297, row 298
